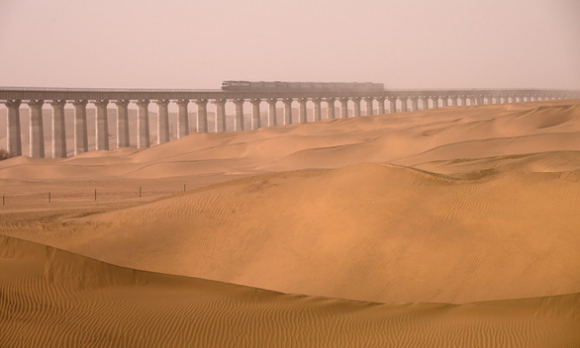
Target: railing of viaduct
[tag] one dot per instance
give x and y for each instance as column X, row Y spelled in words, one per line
column 35, row 98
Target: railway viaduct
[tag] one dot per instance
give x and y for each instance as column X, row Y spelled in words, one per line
column 397, row 100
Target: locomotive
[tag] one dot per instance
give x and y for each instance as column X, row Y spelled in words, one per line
column 301, row 86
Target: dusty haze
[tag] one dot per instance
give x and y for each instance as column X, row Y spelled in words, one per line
column 197, row 44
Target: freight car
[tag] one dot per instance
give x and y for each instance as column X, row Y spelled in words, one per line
column 301, row 86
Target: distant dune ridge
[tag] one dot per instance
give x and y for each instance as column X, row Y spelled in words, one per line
column 450, row 227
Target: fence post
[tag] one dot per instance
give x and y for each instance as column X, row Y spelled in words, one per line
column 3, row 200
column 139, row 191
column 95, row 195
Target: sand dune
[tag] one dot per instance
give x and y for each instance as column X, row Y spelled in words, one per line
column 371, row 232
column 456, row 206
column 52, row 298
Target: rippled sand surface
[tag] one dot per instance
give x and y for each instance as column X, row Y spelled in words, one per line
column 452, row 227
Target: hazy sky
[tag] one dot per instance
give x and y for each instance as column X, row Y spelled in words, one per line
column 197, row 44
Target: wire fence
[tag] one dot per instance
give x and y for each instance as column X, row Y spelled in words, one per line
column 105, row 194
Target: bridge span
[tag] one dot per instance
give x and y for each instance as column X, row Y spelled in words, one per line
column 398, row 101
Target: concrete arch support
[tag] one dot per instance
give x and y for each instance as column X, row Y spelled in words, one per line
column 201, row 115
column 356, row 103
column 381, row 102
column 272, row 112
column 302, row 110
column 369, row 106
column 425, row 101
column 330, row 110
column 343, row 107
column 162, row 121
column 143, row 140
column 239, row 114
column 101, row 125
column 256, row 122
column 14, row 135
column 404, row 101
column 392, row 105
column 81, row 142
column 317, row 109
column 220, row 115
column 36, row 129
column 58, row 129
column 122, row 123
column 414, row 103
column 182, row 118
column 287, row 110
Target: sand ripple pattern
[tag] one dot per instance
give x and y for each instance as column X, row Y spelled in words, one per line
column 52, row 298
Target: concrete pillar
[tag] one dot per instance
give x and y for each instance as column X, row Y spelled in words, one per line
column 425, row 102
column 302, row 110
column 369, row 105
column 220, row 115
column 463, row 100
column 330, row 102
column 143, row 140
column 287, row 110
column 272, row 112
column 36, row 129
column 392, row 104
column 317, row 109
column 162, row 121
column 182, row 118
column 58, row 129
column 201, row 115
column 14, row 137
column 343, row 107
column 356, row 106
column 239, row 114
column 414, row 103
column 81, row 144
column 453, row 101
column 256, row 122
column 101, row 125
column 445, row 100
column 381, row 102
column 404, row 104
column 472, row 100
column 435, row 101
column 122, row 123
column 480, row 100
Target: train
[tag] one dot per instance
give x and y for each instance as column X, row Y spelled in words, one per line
column 302, row 86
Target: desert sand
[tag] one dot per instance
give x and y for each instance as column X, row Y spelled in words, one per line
column 454, row 227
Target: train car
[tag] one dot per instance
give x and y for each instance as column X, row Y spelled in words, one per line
column 235, row 85
column 281, row 85
column 302, row 86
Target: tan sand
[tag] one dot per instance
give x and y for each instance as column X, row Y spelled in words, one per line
column 457, row 205
column 52, row 298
